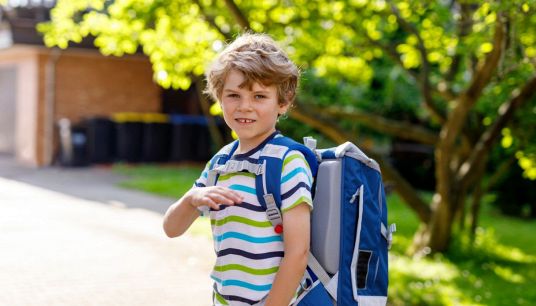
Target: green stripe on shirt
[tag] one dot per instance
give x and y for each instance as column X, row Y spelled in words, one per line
column 220, row 298
column 230, row 175
column 293, row 157
column 302, row 199
column 242, row 220
column 246, row 269
column 290, row 158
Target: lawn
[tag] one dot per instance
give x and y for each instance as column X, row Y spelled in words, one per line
column 498, row 269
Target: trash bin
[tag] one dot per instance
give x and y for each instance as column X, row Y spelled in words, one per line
column 156, row 137
column 129, row 136
column 73, row 144
column 182, row 138
column 191, row 139
column 203, row 143
column 101, row 139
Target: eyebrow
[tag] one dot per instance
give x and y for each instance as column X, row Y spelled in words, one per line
column 266, row 92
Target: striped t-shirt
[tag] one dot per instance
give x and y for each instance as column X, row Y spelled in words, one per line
column 248, row 251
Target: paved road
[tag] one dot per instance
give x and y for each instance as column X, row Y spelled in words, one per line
column 70, row 237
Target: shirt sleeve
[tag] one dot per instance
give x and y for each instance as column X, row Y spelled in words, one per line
column 202, row 182
column 296, row 181
column 203, row 178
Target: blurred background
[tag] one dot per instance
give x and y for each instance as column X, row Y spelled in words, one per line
column 440, row 93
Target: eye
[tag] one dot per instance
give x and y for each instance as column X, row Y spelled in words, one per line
column 233, row 95
column 258, row 97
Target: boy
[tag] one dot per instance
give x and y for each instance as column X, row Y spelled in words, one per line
column 255, row 82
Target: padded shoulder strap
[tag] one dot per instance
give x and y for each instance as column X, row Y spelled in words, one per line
column 220, row 158
column 309, row 155
column 272, row 156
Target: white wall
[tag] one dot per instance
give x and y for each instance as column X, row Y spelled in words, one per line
column 22, row 116
column 8, row 101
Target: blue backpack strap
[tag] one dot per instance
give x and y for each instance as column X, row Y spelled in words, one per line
column 268, row 184
column 220, row 159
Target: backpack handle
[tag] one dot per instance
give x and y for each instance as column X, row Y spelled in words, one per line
column 346, row 147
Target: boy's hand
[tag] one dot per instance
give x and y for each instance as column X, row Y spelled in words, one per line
column 213, row 196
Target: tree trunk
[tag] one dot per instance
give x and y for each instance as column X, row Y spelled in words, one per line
column 435, row 236
column 215, row 134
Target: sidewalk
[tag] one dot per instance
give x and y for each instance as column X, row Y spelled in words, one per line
column 70, row 237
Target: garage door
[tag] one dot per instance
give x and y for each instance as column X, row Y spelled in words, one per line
column 8, row 87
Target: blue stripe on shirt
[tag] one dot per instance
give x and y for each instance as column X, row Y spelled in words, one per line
column 232, row 251
column 238, row 283
column 294, row 173
column 243, row 188
column 244, row 205
column 236, row 235
column 289, row 193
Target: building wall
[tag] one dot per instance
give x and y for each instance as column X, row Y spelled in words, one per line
column 84, row 83
column 23, row 61
column 89, row 84
column 8, row 99
column 73, row 84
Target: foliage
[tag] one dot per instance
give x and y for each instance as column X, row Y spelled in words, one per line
column 470, row 67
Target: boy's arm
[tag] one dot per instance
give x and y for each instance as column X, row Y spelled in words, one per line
column 183, row 213
column 296, row 236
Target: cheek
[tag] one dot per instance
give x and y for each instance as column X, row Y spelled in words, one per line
column 226, row 108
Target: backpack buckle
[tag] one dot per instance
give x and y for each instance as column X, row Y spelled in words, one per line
column 273, row 213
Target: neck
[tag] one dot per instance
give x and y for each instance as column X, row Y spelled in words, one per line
column 247, row 146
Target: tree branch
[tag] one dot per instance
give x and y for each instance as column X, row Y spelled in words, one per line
column 211, row 20
column 464, row 28
column 485, row 73
column 457, row 118
column 506, row 112
column 424, row 75
column 200, row 83
column 238, row 15
column 381, row 124
column 403, row 188
column 390, row 50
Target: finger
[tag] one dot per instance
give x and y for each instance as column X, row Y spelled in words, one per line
column 220, row 198
column 211, row 203
column 224, row 195
column 231, row 194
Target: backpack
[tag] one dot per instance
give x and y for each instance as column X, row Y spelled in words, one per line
column 348, row 262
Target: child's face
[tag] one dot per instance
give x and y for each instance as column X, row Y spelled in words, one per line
column 250, row 112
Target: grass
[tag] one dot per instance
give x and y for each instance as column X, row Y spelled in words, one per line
column 498, row 269
column 170, row 181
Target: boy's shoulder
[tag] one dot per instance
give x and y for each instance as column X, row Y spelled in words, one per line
column 227, row 149
column 276, row 148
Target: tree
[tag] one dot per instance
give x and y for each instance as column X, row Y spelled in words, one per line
column 472, row 62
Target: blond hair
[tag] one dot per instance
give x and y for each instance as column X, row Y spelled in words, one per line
column 261, row 60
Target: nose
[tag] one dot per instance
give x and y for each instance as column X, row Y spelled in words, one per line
column 245, row 104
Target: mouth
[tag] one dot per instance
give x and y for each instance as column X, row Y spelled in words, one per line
column 244, row 120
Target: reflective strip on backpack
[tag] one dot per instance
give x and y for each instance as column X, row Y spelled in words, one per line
column 387, row 233
column 323, row 276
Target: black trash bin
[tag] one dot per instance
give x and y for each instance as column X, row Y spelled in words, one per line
column 156, row 137
column 101, row 139
column 129, row 136
column 203, row 144
column 73, row 144
column 182, row 138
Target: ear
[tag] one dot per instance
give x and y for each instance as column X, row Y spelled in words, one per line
column 283, row 108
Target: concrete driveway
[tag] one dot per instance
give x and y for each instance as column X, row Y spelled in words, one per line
column 70, row 237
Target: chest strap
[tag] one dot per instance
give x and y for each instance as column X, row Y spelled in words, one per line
column 233, row 166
